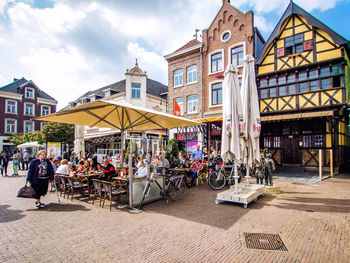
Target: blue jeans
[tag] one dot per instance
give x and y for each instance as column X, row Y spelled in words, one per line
column 194, row 175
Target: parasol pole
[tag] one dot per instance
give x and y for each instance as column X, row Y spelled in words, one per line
column 236, row 175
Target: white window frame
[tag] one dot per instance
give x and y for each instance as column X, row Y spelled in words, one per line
column 222, row 51
column 42, row 124
column 42, row 107
column 24, row 109
column 24, row 126
column 33, row 93
column 188, row 108
column 210, row 98
column 182, row 112
column 192, row 72
column 16, row 106
column 182, row 74
column 222, row 35
column 6, row 120
column 137, row 89
column 234, row 46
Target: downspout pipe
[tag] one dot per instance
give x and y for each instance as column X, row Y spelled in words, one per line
column 201, row 51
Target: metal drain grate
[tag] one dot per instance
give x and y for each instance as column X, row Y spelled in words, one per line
column 264, row 241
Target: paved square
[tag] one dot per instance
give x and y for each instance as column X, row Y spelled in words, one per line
column 311, row 219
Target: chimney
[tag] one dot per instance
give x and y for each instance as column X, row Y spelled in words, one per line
column 223, row 1
column 14, row 80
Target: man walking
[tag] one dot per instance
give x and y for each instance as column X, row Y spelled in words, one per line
column 4, row 161
column 25, row 160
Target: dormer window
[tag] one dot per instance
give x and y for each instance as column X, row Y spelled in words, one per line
column 29, row 93
column 135, row 90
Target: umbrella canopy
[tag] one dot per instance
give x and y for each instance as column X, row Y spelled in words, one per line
column 119, row 115
column 232, row 115
column 251, row 112
column 30, row 145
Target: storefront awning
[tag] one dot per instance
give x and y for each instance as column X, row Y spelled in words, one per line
column 211, row 119
column 297, row 116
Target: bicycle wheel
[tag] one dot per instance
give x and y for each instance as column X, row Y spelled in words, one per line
column 217, row 180
column 176, row 189
column 144, row 194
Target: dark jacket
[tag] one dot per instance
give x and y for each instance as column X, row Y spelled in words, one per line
column 33, row 171
column 4, row 160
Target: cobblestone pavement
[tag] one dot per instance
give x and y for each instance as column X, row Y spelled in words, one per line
column 311, row 219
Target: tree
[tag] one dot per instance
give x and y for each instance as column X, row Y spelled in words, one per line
column 172, row 153
column 20, row 138
column 59, row 132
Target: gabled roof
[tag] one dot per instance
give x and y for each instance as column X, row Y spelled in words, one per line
column 294, row 9
column 153, row 87
column 17, row 84
column 190, row 44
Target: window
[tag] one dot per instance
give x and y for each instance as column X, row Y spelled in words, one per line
column 28, row 109
column 28, row 126
column 263, row 83
column 272, row 82
column 313, row 74
column 302, row 76
column 42, row 124
column 192, row 74
column 11, row 106
column 291, row 89
column 291, row 78
column 29, row 93
column 318, row 140
column 179, row 102
column 282, row 80
column 303, row 87
column 216, row 94
column 324, row 72
column 135, row 90
column 307, row 141
column 313, row 85
column 294, row 44
column 273, row 92
column 336, row 70
column 216, row 62
column 282, row 90
column 10, row 126
column 192, row 104
column 225, row 36
column 237, row 56
column 264, row 93
column 178, row 77
column 325, row 84
column 45, row 110
column 276, row 142
column 267, row 142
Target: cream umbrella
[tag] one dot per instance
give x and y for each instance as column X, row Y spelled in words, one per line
column 251, row 114
column 232, row 115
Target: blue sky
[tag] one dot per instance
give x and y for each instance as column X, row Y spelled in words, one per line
column 69, row 47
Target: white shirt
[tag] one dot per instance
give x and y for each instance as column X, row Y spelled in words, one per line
column 141, row 172
column 63, row 169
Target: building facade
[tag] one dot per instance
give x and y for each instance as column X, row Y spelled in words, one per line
column 303, row 82
column 21, row 101
column 136, row 89
column 230, row 36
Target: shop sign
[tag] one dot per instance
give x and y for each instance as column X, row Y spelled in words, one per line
column 187, row 136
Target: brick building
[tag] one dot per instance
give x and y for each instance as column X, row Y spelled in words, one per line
column 21, row 101
column 195, row 73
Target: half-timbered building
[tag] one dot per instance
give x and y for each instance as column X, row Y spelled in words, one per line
column 303, row 81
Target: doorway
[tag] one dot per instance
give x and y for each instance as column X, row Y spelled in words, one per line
column 290, row 150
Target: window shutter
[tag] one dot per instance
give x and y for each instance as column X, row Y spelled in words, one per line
column 308, row 45
column 280, row 52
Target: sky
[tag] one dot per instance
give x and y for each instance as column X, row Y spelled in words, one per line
column 68, row 47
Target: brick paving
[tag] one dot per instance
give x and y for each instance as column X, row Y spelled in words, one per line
column 312, row 220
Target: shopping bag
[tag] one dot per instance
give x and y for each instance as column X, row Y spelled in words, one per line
column 26, row 192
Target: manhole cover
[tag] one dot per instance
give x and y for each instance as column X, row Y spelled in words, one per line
column 264, row 241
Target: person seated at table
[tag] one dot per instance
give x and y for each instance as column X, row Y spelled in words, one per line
column 96, row 167
column 186, row 164
column 55, row 164
column 108, row 170
column 86, row 169
column 63, row 168
column 141, row 171
column 80, row 166
column 73, row 171
column 140, row 159
column 162, row 163
column 181, row 158
column 155, row 161
column 205, row 155
column 195, row 167
column 71, row 161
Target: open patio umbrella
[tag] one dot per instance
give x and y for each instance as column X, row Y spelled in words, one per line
column 120, row 115
column 232, row 115
column 251, row 113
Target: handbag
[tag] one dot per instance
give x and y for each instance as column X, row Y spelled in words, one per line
column 26, row 192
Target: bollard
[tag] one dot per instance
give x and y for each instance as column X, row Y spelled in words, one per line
column 320, row 163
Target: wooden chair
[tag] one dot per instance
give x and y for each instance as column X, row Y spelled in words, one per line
column 112, row 189
column 64, row 186
column 98, row 190
column 76, row 185
column 202, row 175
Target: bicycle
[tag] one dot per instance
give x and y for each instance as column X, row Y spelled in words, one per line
column 174, row 189
column 218, row 178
